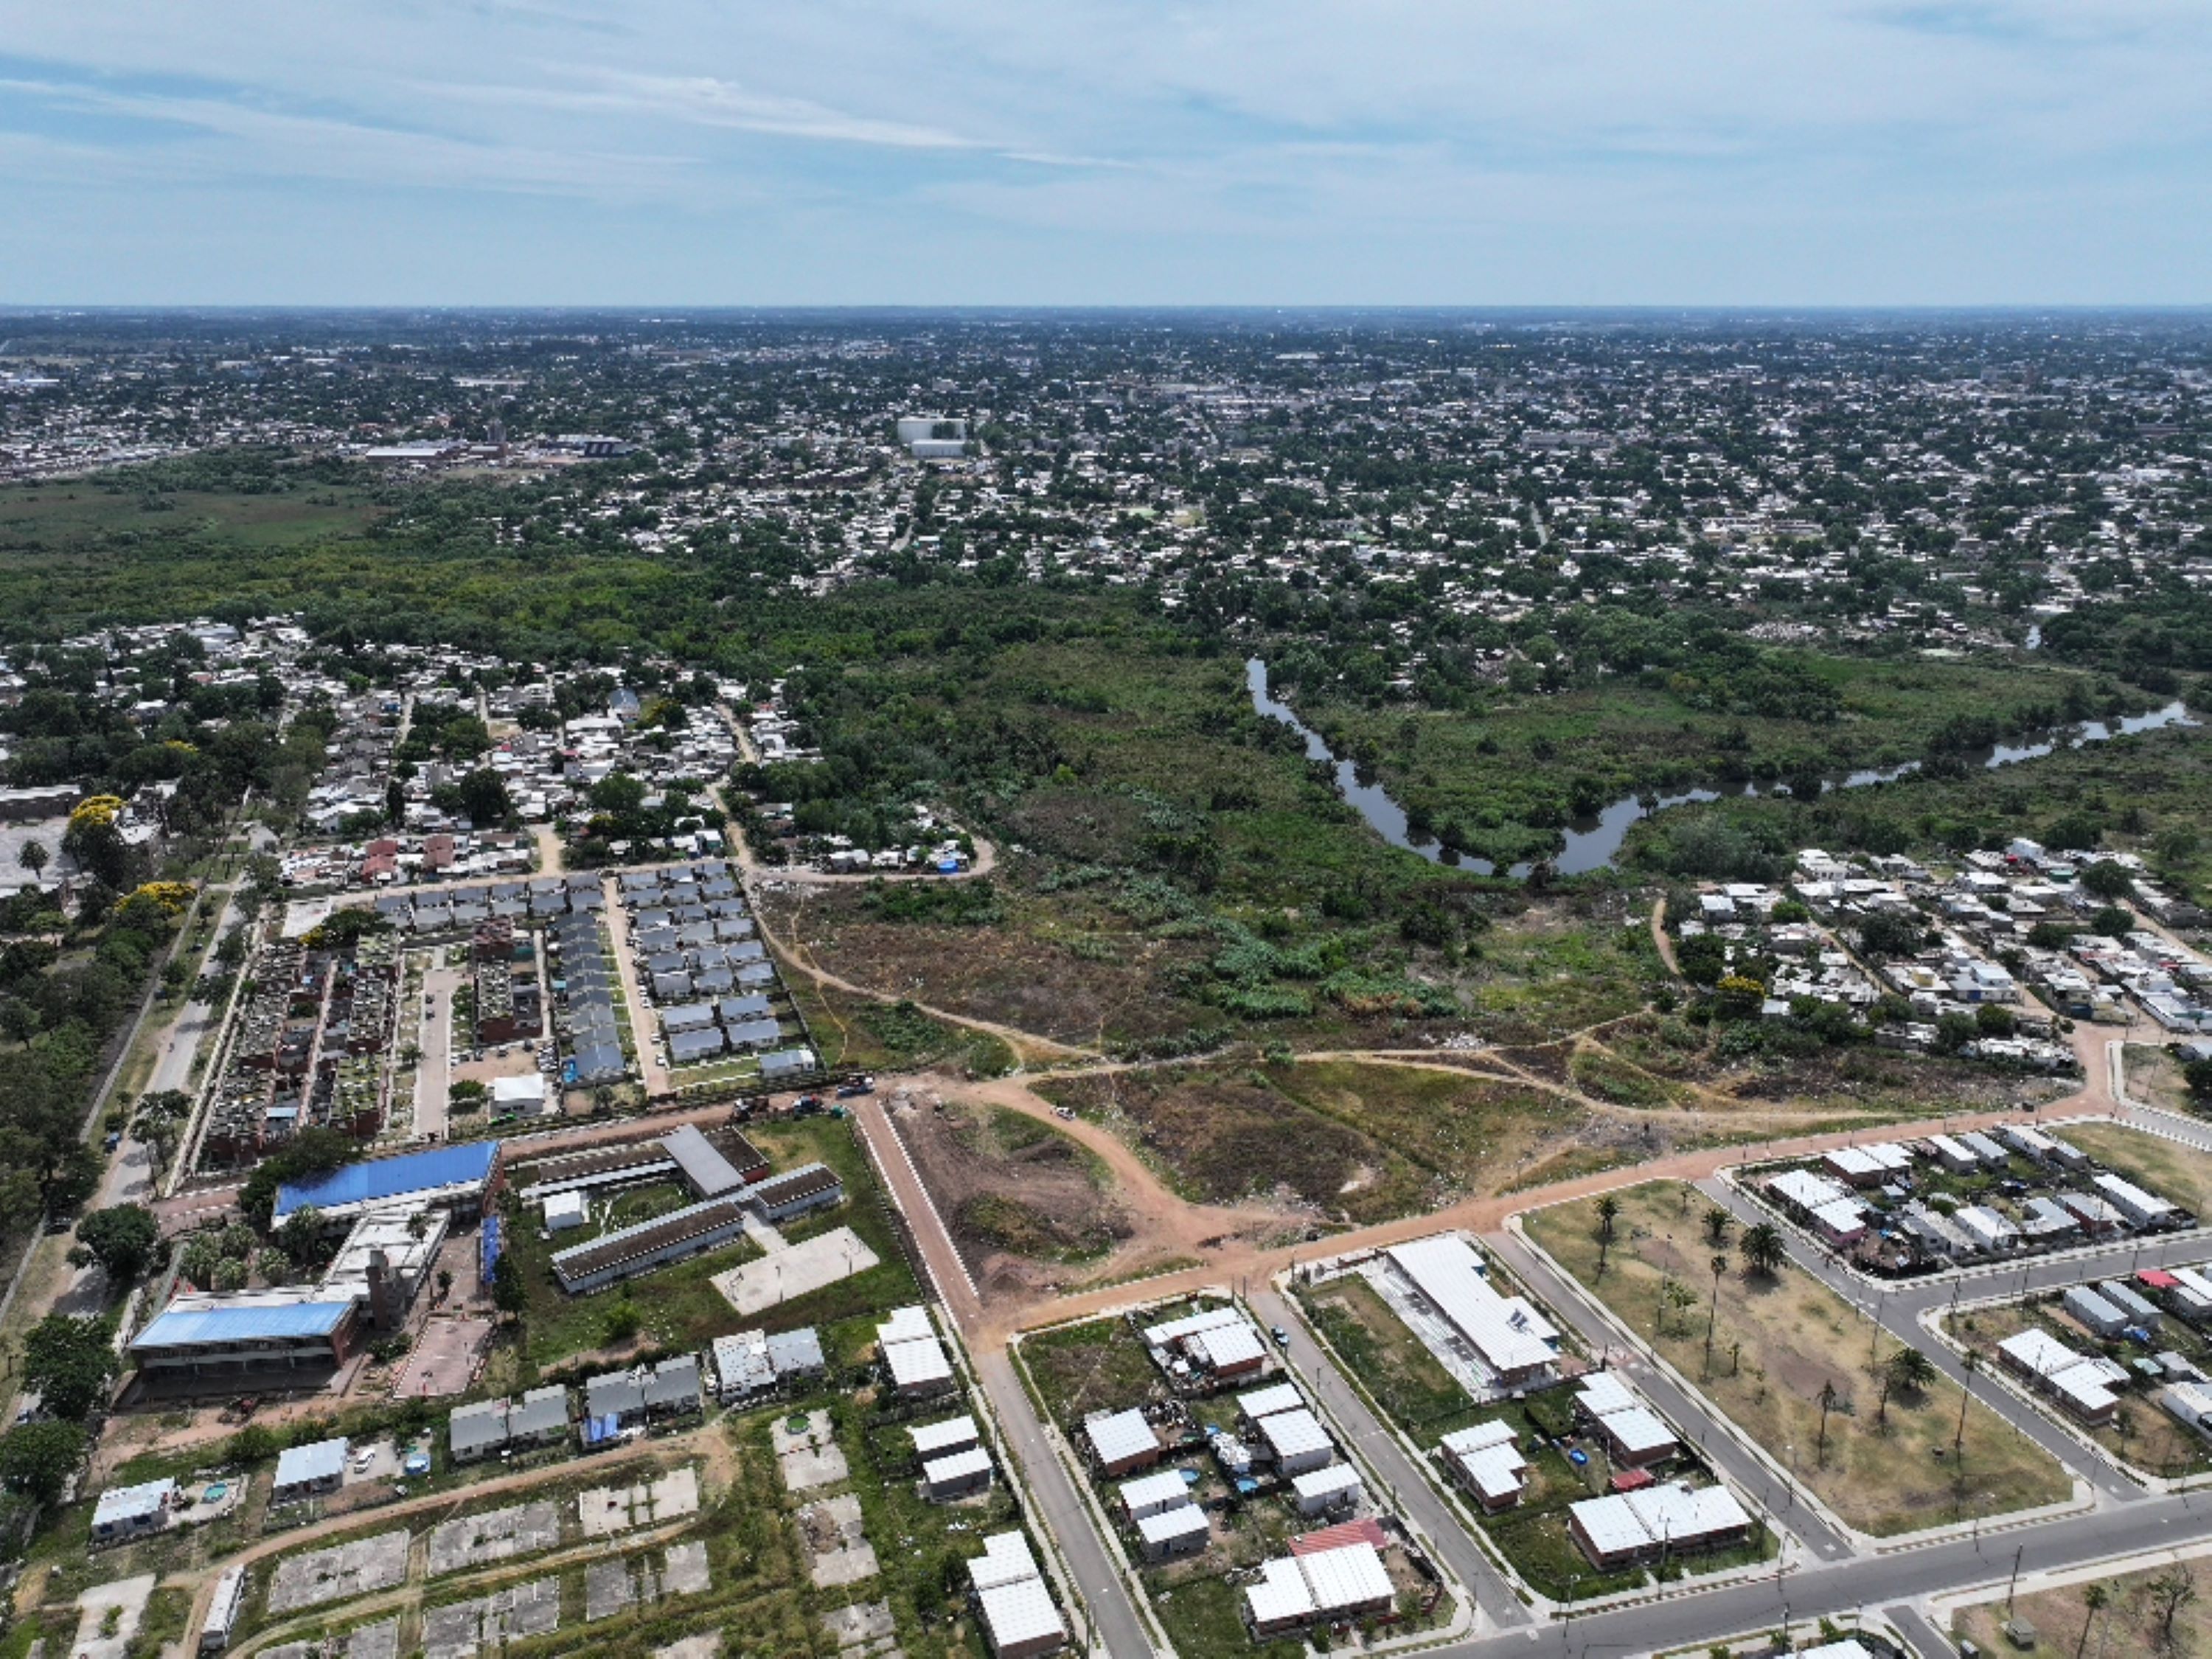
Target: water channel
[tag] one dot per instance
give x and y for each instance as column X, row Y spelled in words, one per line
column 1592, row 844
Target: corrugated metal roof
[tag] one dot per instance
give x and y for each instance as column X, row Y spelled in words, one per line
column 185, row 1328
column 390, row 1177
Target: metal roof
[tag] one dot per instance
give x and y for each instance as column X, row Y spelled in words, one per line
column 324, row 1460
column 1020, row 1613
column 1120, row 1435
column 934, row 1439
column 795, row 1351
column 709, row 1173
column 201, row 1326
column 1005, row 1560
column 391, row 1177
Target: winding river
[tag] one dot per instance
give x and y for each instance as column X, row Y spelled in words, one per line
column 1592, row 844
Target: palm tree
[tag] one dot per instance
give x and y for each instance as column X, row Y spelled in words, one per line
column 1828, row 1398
column 1906, row 1371
column 1608, row 1212
column 1713, row 1318
column 1971, row 1360
column 1717, row 1222
column 2093, row 1599
column 1763, row 1248
column 33, row 856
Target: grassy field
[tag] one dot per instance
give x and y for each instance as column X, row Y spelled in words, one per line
column 2133, row 1619
column 2154, row 1075
column 2141, row 1433
column 1092, row 1367
column 1388, row 1361
column 1778, row 1343
column 2179, row 1173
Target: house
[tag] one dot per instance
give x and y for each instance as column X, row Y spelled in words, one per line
column 956, row 1473
column 1167, row 1534
column 126, row 1512
column 2093, row 1311
column 1227, row 1351
column 2098, row 1219
column 2144, row 1209
column 1951, row 1155
column 1633, row 1434
column 1664, row 1518
column 1122, row 1442
column 477, row 1431
column 2190, row 1403
column 2130, row 1302
column 1991, row 1232
column 540, row 1417
column 672, row 1388
column 304, row 1472
column 2082, row 1383
column 565, row 1212
column 1318, row 1490
column 615, row 1396
column 1018, row 1613
column 1489, row 1463
column 1330, row 1585
column 1257, row 1403
column 1296, row 1442
column 1149, row 1494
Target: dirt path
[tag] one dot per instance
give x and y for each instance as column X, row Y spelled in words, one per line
column 1660, row 942
column 549, row 849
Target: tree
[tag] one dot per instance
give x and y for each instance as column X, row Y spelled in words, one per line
column 1609, row 1215
column 2108, row 879
column 2171, row 1591
column 2094, row 1599
column 1954, row 1031
column 1971, row 1360
column 69, row 1361
column 2198, row 1074
column 1890, row 933
column 508, row 1293
column 122, row 1239
column 1828, row 1398
column 1763, row 1248
column 1906, row 1371
column 485, row 798
column 1718, row 1221
column 1712, row 1319
column 38, row 1459
column 301, row 1237
column 34, row 857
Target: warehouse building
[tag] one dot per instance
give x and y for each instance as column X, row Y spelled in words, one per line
column 297, row 1336
column 629, row 1251
column 1505, row 1335
column 454, row 1178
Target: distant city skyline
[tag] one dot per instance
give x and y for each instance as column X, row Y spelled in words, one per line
column 1886, row 153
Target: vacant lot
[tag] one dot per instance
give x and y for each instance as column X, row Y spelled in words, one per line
column 1097, row 1366
column 1015, row 1192
column 2181, row 1174
column 2155, row 1076
column 1391, row 1364
column 2132, row 1620
column 1779, row 1343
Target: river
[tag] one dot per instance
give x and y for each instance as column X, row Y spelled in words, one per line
column 1593, row 843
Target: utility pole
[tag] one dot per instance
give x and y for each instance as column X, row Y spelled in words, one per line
column 2014, row 1584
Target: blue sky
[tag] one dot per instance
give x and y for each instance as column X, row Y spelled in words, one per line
column 1062, row 152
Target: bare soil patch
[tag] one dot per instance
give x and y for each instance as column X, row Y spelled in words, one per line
column 1015, row 1194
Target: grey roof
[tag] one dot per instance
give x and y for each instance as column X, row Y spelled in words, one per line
column 541, row 1410
column 695, row 1045
column 734, row 1010
column 613, row 1393
column 708, row 1172
column 688, row 1015
column 712, row 982
column 474, row 1426
column 673, row 1383
column 785, row 1061
column 756, row 973
column 298, row 1465
column 756, row 1034
column 793, row 1352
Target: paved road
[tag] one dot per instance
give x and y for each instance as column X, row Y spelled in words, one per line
column 1717, row 1438
column 1098, row 1573
column 1859, row 1585
column 434, row 1076
column 1919, row 1631
column 1409, row 1491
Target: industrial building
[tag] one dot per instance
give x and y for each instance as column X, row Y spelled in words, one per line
column 295, row 1336
column 454, row 1178
column 629, row 1251
column 1505, row 1335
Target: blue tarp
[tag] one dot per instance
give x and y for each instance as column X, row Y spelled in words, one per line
column 188, row 1327
column 390, row 1177
column 489, row 1243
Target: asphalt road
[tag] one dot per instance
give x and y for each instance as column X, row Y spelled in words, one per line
column 1409, row 1494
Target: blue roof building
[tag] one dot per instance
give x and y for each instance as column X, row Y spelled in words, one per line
column 251, row 1334
column 450, row 1177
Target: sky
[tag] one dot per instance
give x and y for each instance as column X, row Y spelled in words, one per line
column 1062, row 152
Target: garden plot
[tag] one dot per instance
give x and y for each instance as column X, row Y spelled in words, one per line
column 610, row 1587
column 606, row 1510
column 837, row 1541
column 477, row 1540
column 378, row 1641
column 806, row 1453
column 460, row 1629
column 360, row 1566
column 795, row 1271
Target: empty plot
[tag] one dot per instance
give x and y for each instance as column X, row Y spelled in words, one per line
column 610, row 1587
column 606, row 1510
column 462, row 1628
column 358, row 1567
column 860, row 1625
column 378, row 1641
column 834, row 1536
column 796, row 1270
column 476, row 1541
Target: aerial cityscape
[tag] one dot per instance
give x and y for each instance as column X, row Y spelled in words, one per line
column 1138, row 833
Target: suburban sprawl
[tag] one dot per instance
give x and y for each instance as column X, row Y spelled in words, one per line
column 996, row 984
